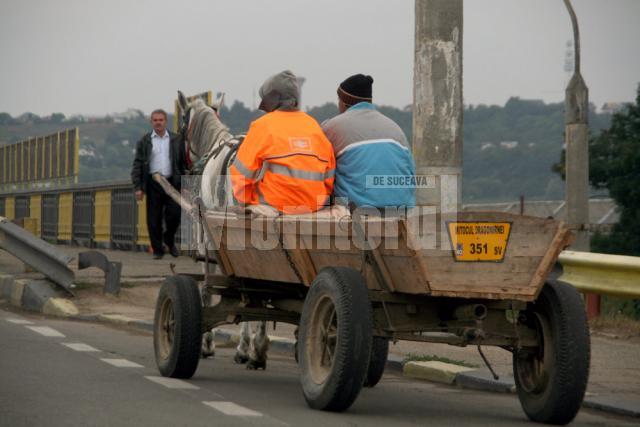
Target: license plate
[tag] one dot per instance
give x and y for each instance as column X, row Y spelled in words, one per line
column 479, row 241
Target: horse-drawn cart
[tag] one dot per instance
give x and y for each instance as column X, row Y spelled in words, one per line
column 354, row 281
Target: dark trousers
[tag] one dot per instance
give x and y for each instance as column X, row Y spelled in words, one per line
column 160, row 205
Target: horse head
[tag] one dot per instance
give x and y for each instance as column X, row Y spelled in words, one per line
column 201, row 125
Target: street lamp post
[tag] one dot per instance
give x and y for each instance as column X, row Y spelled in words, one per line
column 577, row 155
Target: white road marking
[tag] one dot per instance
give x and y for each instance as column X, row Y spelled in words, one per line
column 230, row 408
column 20, row 321
column 78, row 346
column 46, row 331
column 173, row 383
column 122, row 363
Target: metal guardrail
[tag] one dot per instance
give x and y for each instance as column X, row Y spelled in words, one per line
column 37, row 253
column 615, row 275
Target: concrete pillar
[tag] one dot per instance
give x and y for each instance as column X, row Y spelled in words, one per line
column 577, row 146
column 577, row 157
column 577, row 183
column 437, row 101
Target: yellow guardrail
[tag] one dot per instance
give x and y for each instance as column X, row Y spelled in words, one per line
column 589, row 272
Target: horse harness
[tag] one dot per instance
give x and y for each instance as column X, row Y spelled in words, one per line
column 233, row 144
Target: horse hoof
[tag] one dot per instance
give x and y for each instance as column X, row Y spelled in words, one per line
column 207, row 354
column 254, row 365
column 240, row 359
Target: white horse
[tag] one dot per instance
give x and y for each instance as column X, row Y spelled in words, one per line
column 211, row 147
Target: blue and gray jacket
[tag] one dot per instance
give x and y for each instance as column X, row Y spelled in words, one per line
column 374, row 166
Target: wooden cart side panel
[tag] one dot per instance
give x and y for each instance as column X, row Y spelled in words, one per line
column 517, row 294
column 561, row 241
column 419, row 273
column 527, row 248
column 262, row 264
column 253, row 249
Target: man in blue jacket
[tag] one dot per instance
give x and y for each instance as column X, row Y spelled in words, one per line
column 372, row 153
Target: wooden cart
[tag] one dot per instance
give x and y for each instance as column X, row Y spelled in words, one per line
column 353, row 282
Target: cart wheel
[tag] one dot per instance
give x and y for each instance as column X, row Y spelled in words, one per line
column 335, row 339
column 379, row 354
column 551, row 379
column 177, row 329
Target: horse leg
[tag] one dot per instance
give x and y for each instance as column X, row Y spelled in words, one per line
column 242, row 351
column 258, row 348
column 208, row 348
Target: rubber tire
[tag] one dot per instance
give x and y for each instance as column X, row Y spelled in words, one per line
column 378, row 361
column 348, row 292
column 560, row 401
column 184, row 355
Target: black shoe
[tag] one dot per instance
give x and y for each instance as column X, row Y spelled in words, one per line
column 173, row 250
column 158, row 256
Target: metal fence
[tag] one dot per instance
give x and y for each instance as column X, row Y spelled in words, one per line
column 40, row 160
column 22, row 207
column 97, row 215
column 50, row 217
column 123, row 217
column 82, row 228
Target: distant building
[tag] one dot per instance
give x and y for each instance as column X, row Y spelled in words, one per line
column 509, row 144
column 130, row 114
column 614, row 107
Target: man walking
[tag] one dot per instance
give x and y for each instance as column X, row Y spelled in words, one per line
column 159, row 151
column 368, row 145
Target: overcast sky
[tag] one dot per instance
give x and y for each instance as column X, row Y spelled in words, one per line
column 96, row 57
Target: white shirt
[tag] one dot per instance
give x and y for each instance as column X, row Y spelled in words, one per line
column 160, row 159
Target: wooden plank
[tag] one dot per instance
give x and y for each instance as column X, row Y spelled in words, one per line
column 561, row 240
column 301, row 258
column 218, row 235
column 511, row 265
column 326, row 259
column 515, row 294
column 265, row 265
column 497, row 282
column 408, row 275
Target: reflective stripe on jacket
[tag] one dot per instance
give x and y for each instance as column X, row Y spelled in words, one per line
column 285, row 161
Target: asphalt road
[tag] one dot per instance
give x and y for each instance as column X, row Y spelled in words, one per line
column 65, row 373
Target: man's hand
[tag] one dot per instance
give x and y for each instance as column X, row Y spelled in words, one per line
column 139, row 195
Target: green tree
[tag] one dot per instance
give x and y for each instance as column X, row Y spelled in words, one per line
column 57, row 118
column 6, row 119
column 615, row 165
column 323, row 112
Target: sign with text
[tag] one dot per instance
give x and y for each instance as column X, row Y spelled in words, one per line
column 479, row 241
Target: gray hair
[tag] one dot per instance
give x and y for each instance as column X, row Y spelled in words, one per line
column 159, row 111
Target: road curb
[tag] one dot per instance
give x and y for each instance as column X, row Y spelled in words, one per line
column 434, row 371
column 482, row 380
column 39, row 295
column 613, row 404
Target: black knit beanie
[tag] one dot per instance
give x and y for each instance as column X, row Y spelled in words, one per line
column 356, row 88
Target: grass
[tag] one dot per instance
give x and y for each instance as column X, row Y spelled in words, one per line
column 412, row 357
column 619, row 325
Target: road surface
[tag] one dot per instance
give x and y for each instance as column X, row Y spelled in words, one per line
column 70, row 373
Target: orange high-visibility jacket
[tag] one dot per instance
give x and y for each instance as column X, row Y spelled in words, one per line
column 285, row 161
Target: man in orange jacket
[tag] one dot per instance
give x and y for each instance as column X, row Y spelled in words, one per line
column 285, row 161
